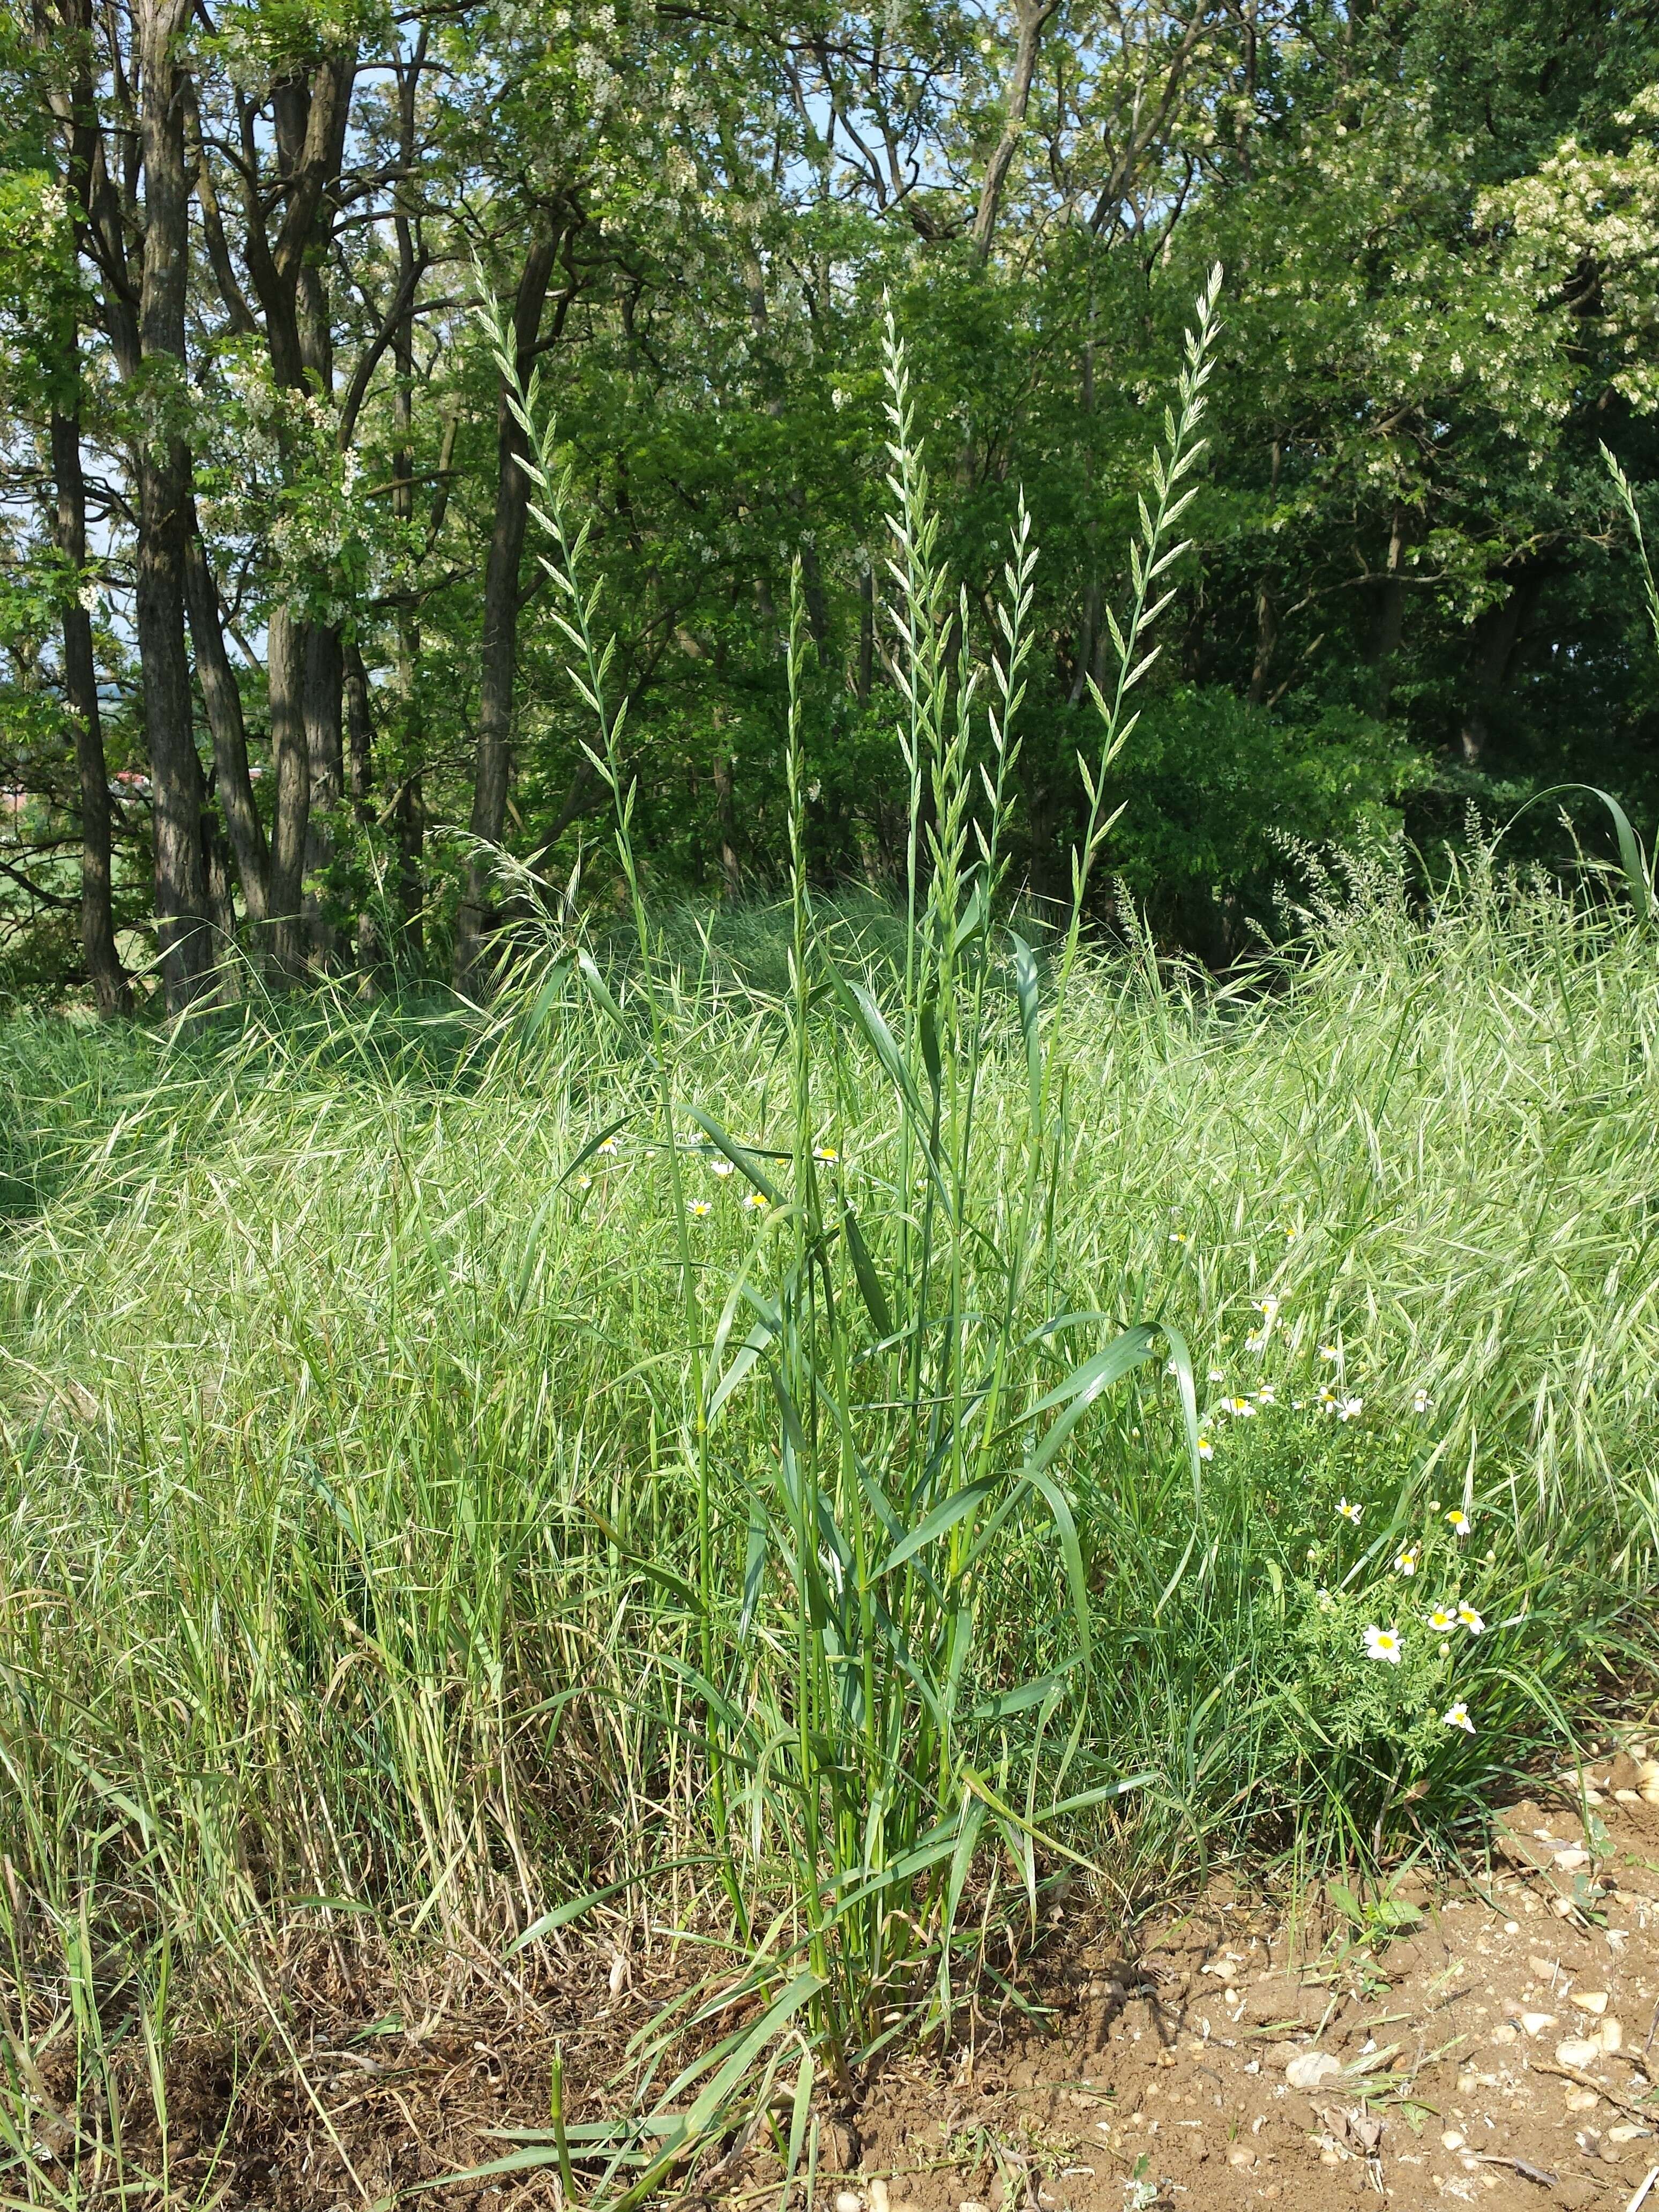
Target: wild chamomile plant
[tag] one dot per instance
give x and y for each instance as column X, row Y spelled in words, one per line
column 1421, row 1633
column 867, row 1770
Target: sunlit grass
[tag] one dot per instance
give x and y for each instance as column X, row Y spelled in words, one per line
column 715, row 1430
column 327, row 1434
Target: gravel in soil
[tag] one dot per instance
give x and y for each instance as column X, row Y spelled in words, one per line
column 1497, row 2054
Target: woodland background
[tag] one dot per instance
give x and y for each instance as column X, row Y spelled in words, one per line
column 277, row 663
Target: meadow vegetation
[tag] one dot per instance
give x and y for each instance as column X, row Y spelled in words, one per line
column 812, row 1428
column 357, row 1537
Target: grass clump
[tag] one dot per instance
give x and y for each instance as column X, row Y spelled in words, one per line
column 805, row 1450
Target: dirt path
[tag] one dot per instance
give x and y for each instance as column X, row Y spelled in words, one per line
column 1498, row 2055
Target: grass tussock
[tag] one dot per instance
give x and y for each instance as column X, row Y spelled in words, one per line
column 809, row 1435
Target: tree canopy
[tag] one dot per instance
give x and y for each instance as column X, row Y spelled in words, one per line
column 278, row 663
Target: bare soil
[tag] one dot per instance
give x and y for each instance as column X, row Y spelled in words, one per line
column 1495, row 2053
column 1186, row 2077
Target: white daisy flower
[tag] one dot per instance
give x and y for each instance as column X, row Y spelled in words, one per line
column 698, row 1208
column 1470, row 1618
column 1404, row 1563
column 1442, row 1618
column 1350, row 1409
column 1267, row 1395
column 1241, row 1407
column 1459, row 1520
column 1206, row 1449
column 1382, row 1643
column 1458, row 1717
column 721, row 1168
column 1347, row 1512
column 1421, row 1402
column 1328, row 1352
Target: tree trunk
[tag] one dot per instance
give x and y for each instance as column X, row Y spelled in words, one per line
column 1495, row 637
column 360, row 786
column 359, row 734
column 291, row 773
column 108, row 978
column 1032, row 17
column 1389, row 621
column 1266, row 637
column 223, row 700
column 164, row 478
column 321, row 701
column 1091, row 634
column 492, row 769
column 311, row 111
column 409, row 811
column 726, row 815
column 1267, row 614
column 410, row 818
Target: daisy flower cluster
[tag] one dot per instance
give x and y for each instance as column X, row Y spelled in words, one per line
column 1443, row 1620
column 1339, row 1402
column 1333, row 1397
column 753, row 1201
